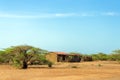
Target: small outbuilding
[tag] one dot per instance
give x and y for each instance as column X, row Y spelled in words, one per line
column 63, row 57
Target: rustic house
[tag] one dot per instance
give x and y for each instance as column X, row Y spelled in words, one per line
column 63, row 57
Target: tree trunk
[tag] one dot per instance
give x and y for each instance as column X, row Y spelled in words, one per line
column 25, row 65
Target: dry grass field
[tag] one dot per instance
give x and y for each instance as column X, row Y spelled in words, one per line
column 100, row 70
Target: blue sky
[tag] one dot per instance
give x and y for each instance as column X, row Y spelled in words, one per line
column 86, row 26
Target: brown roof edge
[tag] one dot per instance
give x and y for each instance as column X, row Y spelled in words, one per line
column 63, row 53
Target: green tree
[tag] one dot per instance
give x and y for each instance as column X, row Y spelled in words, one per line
column 24, row 54
column 100, row 56
column 5, row 57
column 115, row 56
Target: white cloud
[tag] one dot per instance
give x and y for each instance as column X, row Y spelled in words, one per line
column 57, row 15
column 110, row 14
column 21, row 16
column 65, row 14
column 87, row 14
column 46, row 15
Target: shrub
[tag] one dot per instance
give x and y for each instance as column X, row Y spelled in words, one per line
column 100, row 56
column 50, row 64
column 99, row 65
column 16, row 63
column 74, row 67
column 5, row 57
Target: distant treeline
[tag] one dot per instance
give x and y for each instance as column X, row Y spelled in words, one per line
column 23, row 55
column 113, row 56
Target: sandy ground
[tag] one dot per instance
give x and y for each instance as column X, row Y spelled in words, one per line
column 64, row 71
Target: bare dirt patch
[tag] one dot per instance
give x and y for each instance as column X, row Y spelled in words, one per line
column 64, row 71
